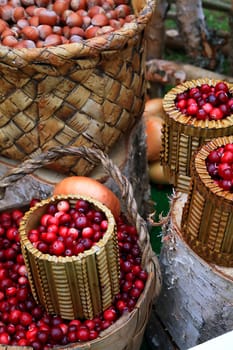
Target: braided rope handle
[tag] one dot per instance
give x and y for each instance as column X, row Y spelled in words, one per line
column 94, row 156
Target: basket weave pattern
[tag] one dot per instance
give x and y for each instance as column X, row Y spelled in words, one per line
column 127, row 332
column 80, row 286
column 78, row 94
column 208, row 213
column 182, row 135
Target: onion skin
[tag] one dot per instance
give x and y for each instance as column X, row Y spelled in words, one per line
column 154, row 107
column 90, row 187
column 153, row 129
column 156, row 174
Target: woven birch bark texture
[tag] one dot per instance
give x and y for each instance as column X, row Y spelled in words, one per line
column 182, row 135
column 208, row 213
column 127, row 332
column 81, row 94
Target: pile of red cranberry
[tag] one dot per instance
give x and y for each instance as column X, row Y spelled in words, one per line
column 219, row 164
column 25, row 323
column 206, row 102
column 43, row 23
column 66, row 230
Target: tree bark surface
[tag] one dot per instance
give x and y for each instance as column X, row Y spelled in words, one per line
column 196, row 301
column 193, row 30
column 170, row 72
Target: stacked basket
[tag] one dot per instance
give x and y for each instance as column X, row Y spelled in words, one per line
column 208, row 213
column 127, row 332
column 184, row 134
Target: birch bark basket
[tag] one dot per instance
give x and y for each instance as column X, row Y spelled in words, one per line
column 196, row 301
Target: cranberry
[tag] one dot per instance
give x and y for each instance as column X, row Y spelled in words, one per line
column 24, row 323
column 83, row 333
column 206, row 102
column 221, row 86
column 110, row 315
column 216, row 114
column 219, row 165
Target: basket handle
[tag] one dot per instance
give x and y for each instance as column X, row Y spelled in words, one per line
column 94, row 156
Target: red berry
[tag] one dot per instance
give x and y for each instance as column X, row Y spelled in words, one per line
column 110, row 315
column 192, row 109
column 57, row 248
column 207, row 107
column 63, row 205
column 83, row 334
column 221, row 86
column 227, row 157
column 216, row 114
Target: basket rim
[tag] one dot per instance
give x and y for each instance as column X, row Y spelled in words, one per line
column 115, row 40
column 188, row 121
column 60, row 259
column 200, row 173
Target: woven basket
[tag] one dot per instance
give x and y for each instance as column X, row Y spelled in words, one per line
column 76, row 94
column 80, row 286
column 208, row 213
column 127, row 332
column 182, row 135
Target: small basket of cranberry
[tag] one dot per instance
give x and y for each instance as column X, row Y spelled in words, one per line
column 123, row 323
column 195, row 112
column 70, row 249
column 208, row 213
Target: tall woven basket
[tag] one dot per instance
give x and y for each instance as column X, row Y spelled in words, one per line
column 184, row 134
column 127, row 332
column 208, row 213
column 77, row 94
